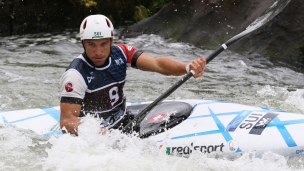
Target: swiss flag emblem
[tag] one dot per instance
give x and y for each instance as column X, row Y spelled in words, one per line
column 69, row 87
column 157, row 118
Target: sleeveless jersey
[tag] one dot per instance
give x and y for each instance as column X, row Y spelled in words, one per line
column 99, row 89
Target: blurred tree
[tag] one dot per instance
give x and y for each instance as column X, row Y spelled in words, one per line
column 141, row 13
column 88, row 3
column 156, row 5
column 147, row 8
column 33, row 16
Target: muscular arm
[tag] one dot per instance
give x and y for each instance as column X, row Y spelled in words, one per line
column 69, row 117
column 168, row 66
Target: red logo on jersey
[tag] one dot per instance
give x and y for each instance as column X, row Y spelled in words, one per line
column 69, row 87
column 129, row 48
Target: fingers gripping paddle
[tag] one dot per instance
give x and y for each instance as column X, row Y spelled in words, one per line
column 269, row 14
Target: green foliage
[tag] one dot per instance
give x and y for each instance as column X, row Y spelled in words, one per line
column 66, row 18
column 157, row 5
column 32, row 16
column 88, row 3
column 12, row 15
column 141, row 13
column 39, row 16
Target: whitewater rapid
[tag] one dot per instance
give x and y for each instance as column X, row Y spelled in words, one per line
column 31, row 66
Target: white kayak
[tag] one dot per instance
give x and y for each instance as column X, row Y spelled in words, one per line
column 182, row 127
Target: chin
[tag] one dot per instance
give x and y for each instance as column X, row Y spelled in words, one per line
column 98, row 64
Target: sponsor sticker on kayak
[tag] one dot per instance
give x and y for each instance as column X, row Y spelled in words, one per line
column 237, row 121
column 301, row 151
column 157, row 118
column 55, row 127
column 180, row 150
column 253, row 123
column 232, row 146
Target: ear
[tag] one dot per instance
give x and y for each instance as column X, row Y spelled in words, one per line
column 82, row 42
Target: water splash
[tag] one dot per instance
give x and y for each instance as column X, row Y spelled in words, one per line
column 292, row 101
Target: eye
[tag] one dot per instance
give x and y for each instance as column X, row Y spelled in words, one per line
column 104, row 44
column 91, row 44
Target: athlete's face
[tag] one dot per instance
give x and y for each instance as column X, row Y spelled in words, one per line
column 98, row 50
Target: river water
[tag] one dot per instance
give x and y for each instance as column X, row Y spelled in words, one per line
column 31, row 66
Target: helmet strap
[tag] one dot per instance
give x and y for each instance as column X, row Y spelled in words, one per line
column 83, row 45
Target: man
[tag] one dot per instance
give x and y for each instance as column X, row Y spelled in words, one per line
column 93, row 83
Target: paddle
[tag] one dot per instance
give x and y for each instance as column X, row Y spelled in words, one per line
column 269, row 14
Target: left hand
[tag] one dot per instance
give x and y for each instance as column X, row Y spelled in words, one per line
column 103, row 131
column 198, row 66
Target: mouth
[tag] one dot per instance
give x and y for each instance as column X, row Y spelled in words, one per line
column 98, row 58
column 98, row 61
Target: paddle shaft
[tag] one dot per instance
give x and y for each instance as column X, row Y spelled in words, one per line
column 143, row 113
column 268, row 15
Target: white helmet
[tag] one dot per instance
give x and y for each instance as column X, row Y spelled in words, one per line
column 96, row 27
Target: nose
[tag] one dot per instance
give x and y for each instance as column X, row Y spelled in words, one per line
column 99, row 51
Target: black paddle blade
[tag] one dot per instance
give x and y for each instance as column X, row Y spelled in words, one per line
column 268, row 15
